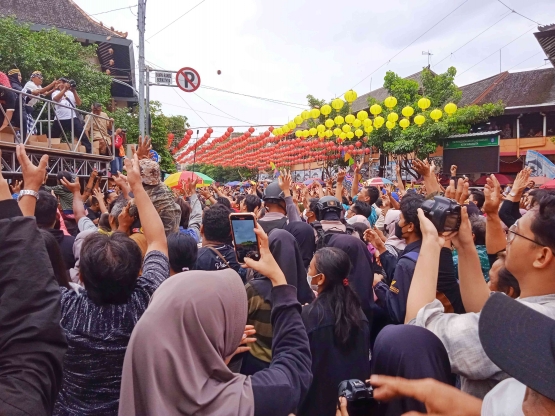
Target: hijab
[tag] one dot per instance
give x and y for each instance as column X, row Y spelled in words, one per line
column 362, row 274
column 410, row 352
column 14, row 80
column 304, row 234
column 174, row 363
column 391, row 218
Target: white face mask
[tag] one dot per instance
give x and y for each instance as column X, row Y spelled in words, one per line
column 309, row 280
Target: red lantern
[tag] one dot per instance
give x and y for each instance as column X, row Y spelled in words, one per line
column 358, row 144
column 209, row 130
column 230, row 129
column 189, row 132
column 351, row 147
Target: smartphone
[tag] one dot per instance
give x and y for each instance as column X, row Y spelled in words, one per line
column 245, row 240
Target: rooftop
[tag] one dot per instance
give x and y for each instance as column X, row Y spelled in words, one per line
column 480, row 134
column 546, row 39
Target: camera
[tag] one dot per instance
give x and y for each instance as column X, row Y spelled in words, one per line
column 444, row 213
column 72, row 83
column 359, row 395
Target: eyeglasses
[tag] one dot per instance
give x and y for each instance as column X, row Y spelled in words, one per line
column 513, row 233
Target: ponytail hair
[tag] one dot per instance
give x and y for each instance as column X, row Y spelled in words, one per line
column 337, row 293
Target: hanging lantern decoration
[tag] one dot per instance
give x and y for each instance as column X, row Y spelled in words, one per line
column 436, row 115
column 357, row 123
column 306, row 133
column 329, row 123
column 368, row 129
column 277, row 131
column 314, row 113
column 359, row 133
column 292, row 125
column 350, row 135
column 362, row 115
column 320, row 128
column 450, row 108
column 404, row 123
column 338, row 120
column 390, row 102
column 325, row 110
column 378, row 122
column 346, row 128
column 408, row 111
column 171, row 136
column 313, row 131
column 329, row 133
column 298, row 133
column 305, row 115
column 298, row 120
column 349, row 119
column 350, row 96
column 376, row 109
column 419, row 120
column 321, row 133
column 424, row 103
column 367, row 122
column 393, row 117
column 343, row 135
column 337, row 104
column 337, row 131
column 389, row 125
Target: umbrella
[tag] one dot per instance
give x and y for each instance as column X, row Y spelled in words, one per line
column 174, row 180
column 312, row 180
column 503, row 180
column 206, row 180
column 549, row 185
column 378, row 182
column 233, row 183
column 540, row 180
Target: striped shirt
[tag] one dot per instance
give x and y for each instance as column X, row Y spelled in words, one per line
column 64, row 194
column 97, row 337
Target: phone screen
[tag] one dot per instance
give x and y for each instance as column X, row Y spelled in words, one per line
column 246, row 243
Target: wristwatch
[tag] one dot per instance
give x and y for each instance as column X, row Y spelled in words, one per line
column 512, row 194
column 27, row 192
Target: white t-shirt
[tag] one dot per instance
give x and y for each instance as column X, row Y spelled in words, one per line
column 68, row 99
column 505, row 399
column 28, row 88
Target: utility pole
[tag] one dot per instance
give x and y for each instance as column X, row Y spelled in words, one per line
column 429, row 56
column 141, row 27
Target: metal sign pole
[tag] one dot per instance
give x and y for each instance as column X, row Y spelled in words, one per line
column 141, row 26
column 147, row 106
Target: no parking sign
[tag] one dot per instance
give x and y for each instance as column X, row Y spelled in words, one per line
column 187, row 79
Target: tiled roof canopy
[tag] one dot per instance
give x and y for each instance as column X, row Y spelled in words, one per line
column 63, row 14
column 546, row 39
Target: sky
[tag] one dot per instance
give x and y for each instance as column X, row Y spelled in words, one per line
column 288, row 49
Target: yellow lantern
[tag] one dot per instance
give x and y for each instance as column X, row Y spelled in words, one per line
column 343, row 136
column 346, row 128
column 292, row 125
column 368, row 129
column 306, row 133
column 329, row 123
column 362, row 115
column 367, row 122
column 357, row 123
column 350, row 135
column 277, row 132
column 350, row 96
column 329, row 133
column 359, row 132
column 321, row 127
column 378, row 122
column 419, row 120
column 285, row 128
column 376, row 109
column 313, row 131
column 450, row 108
column 436, row 115
column 337, row 104
column 337, row 131
column 338, row 120
column 408, row 111
column 389, row 125
column 305, row 115
column 298, row 120
column 349, row 119
column 298, row 133
column 424, row 103
column 404, row 123
column 390, row 102
column 321, row 134
column 393, row 117
column 314, row 113
column 325, row 110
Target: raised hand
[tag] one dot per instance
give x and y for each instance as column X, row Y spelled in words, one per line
column 285, row 181
column 428, row 229
column 247, row 339
column 144, row 147
column 421, row 167
column 125, row 220
column 341, row 176
column 453, row 170
column 372, row 237
column 74, row 187
column 33, row 176
column 521, row 180
column 134, row 172
column 493, row 197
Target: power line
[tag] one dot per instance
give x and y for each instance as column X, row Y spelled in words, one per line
column 169, row 24
column 406, row 47
column 199, row 116
column 113, row 10
column 493, row 53
column 514, row 11
column 530, row 57
column 198, row 111
column 220, row 109
column 287, row 103
column 456, row 50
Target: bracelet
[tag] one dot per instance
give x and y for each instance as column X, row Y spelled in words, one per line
column 27, row 192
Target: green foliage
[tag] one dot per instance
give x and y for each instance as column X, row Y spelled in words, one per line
column 161, row 126
column 441, row 88
column 55, row 54
column 226, row 174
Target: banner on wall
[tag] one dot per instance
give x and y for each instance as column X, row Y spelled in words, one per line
column 540, row 165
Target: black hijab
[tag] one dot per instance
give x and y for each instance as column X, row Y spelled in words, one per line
column 304, row 234
column 410, row 352
column 362, row 275
column 14, row 81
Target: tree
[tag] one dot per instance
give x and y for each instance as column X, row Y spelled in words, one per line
column 226, row 174
column 161, row 125
column 55, row 54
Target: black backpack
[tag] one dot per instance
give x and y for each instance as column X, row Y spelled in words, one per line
column 323, row 237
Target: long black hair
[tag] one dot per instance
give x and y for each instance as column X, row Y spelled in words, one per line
column 337, row 294
column 182, row 251
column 56, row 259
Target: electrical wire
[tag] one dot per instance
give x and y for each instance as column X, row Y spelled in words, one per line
column 484, row 31
column 406, row 47
column 199, row 116
column 113, row 10
column 198, row 111
column 243, row 121
column 514, row 11
column 493, row 53
column 521, row 62
column 169, row 24
column 288, row 103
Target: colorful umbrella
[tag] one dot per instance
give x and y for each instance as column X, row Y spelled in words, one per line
column 174, row 180
column 503, row 180
column 378, row 182
column 206, row 180
column 548, row 185
column 233, row 183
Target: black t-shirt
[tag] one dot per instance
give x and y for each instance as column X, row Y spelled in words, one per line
column 207, row 259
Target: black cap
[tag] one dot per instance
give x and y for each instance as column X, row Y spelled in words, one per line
column 520, row 341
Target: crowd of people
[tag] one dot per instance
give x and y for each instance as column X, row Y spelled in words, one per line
column 121, row 296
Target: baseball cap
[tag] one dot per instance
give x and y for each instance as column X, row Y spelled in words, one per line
column 150, row 171
column 520, row 341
